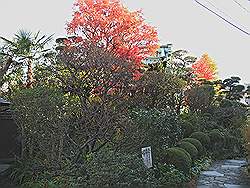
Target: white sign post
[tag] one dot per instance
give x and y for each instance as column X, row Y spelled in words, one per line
column 147, row 156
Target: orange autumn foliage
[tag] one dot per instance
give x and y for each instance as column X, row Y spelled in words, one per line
column 205, row 68
column 108, row 24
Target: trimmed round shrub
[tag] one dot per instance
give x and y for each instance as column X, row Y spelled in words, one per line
column 188, row 155
column 178, row 158
column 202, row 137
column 196, row 143
column 190, row 148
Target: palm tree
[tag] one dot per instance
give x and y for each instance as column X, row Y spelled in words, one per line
column 25, row 49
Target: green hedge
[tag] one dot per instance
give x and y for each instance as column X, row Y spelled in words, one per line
column 196, row 143
column 188, row 155
column 202, row 137
column 178, row 158
column 190, row 148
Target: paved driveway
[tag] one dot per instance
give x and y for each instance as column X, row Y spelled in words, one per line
column 225, row 174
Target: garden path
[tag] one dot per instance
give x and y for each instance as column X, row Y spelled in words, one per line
column 225, row 174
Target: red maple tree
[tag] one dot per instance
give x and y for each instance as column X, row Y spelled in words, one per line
column 110, row 25
column 205, row 68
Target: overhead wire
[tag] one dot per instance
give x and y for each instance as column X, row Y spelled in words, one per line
column 221, row 17
column 227, row 15
column 240, row 5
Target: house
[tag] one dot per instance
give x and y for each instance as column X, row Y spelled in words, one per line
column 9, row 145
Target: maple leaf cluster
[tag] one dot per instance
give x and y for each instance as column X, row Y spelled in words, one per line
column 205, row 68
column 111, row 26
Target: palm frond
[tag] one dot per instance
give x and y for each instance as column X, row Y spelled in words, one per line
column 37, row 35
column 4, row 54
column 45, row 50
column 8, row 42
column 47, row 40
column 23, row 34
column 39, row 40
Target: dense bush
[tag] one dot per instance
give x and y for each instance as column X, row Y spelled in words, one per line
column 107, row 169
column 178, row 158
column 188, row 128
column 156, row 128
column 202, row 137
column 196, row 143
column 42, row 115
column 170, row 176
column 231, row 114
column 216, row 138
column 200, row 98
column 230, row 141
column 190, row 148
column 200, row 165
column 185, row 151
column 216, row 135
column 161, row 90
column 192, row 122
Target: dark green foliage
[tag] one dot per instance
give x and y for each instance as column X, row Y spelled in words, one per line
column 231, row 114
column 185, row 151
column 196, row 143
column 190, row 148
column 188, row 128
column 22, row 171
column 160, row 90
column 230, row 142
column 191, row 123
column 209, row 124
column 170, row 176
column 202, row 137
column 200, row 165
column 216, row 138
column 107, row 169
column 178, row 158
column 42, row 116
column 233, row 89
column 155, row 128
column 200, row 98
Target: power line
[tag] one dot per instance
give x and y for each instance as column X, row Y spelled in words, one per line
column 227, row 15
column 224, row 19
column 240, row 5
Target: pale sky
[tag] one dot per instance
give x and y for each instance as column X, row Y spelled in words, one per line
column 183, row 23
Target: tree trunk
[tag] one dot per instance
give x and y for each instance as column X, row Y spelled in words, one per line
column 30, row 79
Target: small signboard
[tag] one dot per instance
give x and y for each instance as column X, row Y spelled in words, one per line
column 147, row 156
